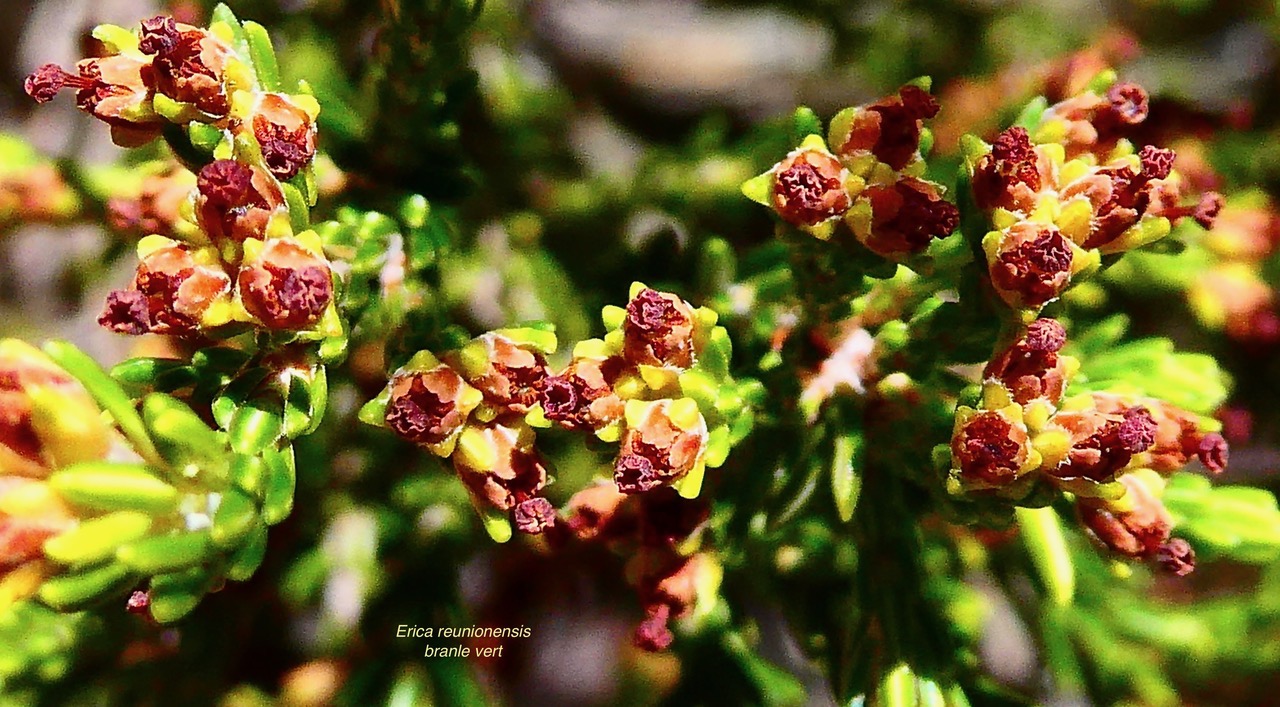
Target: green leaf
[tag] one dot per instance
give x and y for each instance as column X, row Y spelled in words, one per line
column 256, row 425
column 846, row 474
column 277, row 501
column 167, row 553
column 264, row 56
column 246, row 560
column 234, row 519
column 113, row 486
column 1043, row 536
column 77, row 590
column 97, row 538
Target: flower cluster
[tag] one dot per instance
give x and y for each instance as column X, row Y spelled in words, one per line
column 868, row 174
column 1069, row 190
column 228, row 247
column 1110, row 449
column 657, row 385
column 1232, row 294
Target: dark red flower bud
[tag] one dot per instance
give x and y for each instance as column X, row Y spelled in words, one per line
column 236, row 202
column 664, row 441
column 517, row 471
column 1103, row 444
column 113, row 89
column 156, row 209
column 905, row 217
column 286, row 134
column 1206, row 212
column 174, row 290
column 286, row 286
column 1031, row 368
column 809, row 188
column 1129, row 103
column 1176, row 557
column 188, row 65
column 534, row 515
column 1032, row 264
column 658, row 330
column 1157, row 163
column 428, row 407
column 510, row 374
column 1010, row 175
column 990, row 447
column 1140, row 531
column 1213, row 452
column 890, row 128
column 582, row 397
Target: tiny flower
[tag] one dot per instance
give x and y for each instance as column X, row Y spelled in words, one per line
column 235, row 202
column 889, row 129
column 508, row 372
column 992, row 447
column 534, row 516
column 1032, row 368
column 809, row 188
column 30, row 514
column 499, row 464
column 1234, row 297
column 1012, row 174
column 582, row 396
column 286, row 134
column 664, row 441
column 669, row 594
column 172, row 291
column 1088, row 121
column 1031, row 263
column 112, row 89
column 285, row 285
column 1178, row 437
column 139, row 603
column 1138, row 525
column 430, row 407
column 658, row 330
column 903, row 217
column 1103, row 443
column 189, row 64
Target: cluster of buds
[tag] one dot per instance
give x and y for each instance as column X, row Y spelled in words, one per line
column 868, row 174
column 229, row 246
column 88, row 512
column 1106, row 448
column 660, row 534
column 657, row 385
column 1069, row 190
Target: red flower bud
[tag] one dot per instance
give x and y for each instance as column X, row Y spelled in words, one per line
column 157, row 207
column 234, row 201
column 905, row 217
column 171, row 291
column 511, row 374
column 658, row 330
column 1012, row 174
column 809, row 188
column 189, row 64
column 594, row 511
column 656, row 449
column 890, row 128
column 990, row 447
column 582, row 397
column 1031, row 368
column 286, row 286
column 285, row 133
column 424, row 407
column 1102, row 443
column 518, row 472
column 1032, row 264
column 1139, row 531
